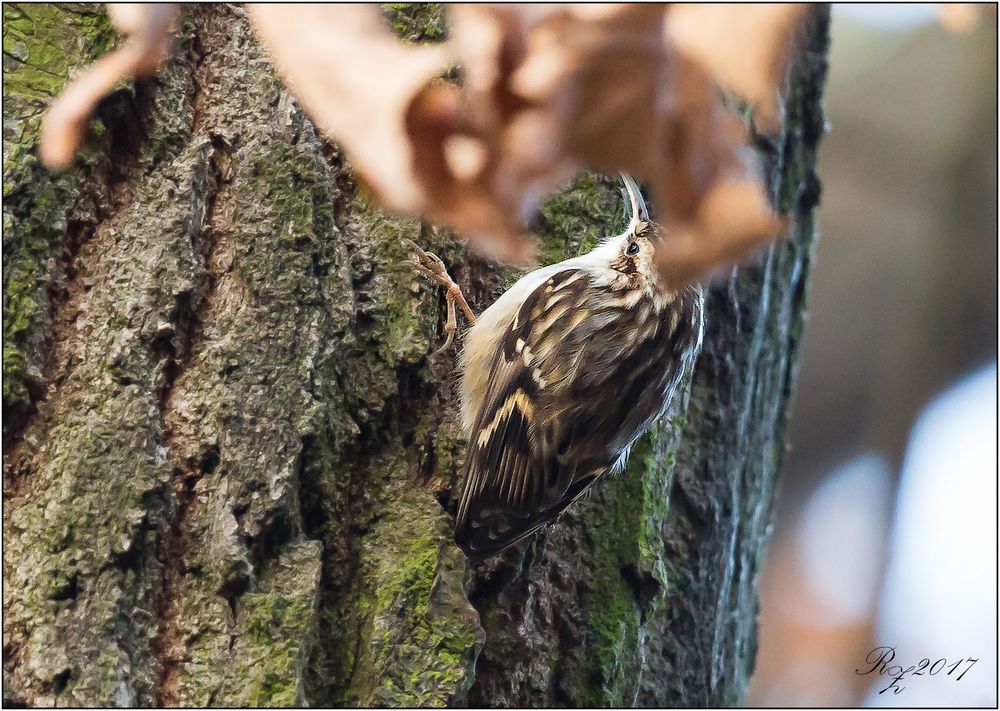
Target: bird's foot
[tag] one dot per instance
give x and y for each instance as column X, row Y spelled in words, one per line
column 430, row 265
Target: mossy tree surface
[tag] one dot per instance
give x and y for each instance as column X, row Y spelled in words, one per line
column 229, row 457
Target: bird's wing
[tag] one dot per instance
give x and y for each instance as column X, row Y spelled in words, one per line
column 514, row 481
column 546, row 431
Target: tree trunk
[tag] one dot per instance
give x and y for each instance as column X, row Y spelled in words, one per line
column 229, row 459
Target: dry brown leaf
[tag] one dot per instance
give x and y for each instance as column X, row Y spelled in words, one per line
column 149, row 28
column 733, row 220
column 597, row 72
column 710, row 196
column 958, row 16
column 409, row 138
column 458, row 196
column 524, row 158
column 547, row 91
column 600, row 87
column 743, row 46
column 356, row 81
column 550, row 89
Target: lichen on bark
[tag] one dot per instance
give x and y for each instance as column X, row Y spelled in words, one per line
column 42, row 44
column 231, row 461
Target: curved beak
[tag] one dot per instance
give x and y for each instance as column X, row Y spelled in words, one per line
column 637, row 204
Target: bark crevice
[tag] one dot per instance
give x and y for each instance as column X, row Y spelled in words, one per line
column 176, row 343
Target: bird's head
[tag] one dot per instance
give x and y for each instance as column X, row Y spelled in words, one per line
column 633, row 251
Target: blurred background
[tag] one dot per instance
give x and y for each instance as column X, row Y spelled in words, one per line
column 886, row 527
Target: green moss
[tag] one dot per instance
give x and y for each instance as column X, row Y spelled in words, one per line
column 269, row 617
column 402, row 320
column 625, row 521
column 275, row 633
column 42, row 43
column 408, row 584
column 576, row 219
column 290, row 182
column 31, row 240
column 417, row 22
column 609, row 604
column 71, row 534
column 419, row 636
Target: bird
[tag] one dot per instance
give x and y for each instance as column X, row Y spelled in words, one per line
column 561, row 375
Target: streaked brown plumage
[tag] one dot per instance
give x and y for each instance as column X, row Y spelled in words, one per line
column 561, row 375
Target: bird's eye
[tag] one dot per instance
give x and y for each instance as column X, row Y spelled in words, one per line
column 633, row 249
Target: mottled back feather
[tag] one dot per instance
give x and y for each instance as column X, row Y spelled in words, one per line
column 569, row 391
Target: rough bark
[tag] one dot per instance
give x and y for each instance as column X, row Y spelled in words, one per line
column 229, row 459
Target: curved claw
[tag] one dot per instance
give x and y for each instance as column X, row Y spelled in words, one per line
column 430, row 265
column 447, row 344
column 426, row 260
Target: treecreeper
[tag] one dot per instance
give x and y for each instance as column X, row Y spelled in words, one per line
column 561, row 376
